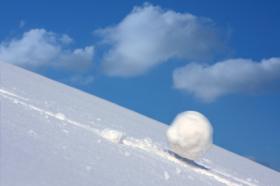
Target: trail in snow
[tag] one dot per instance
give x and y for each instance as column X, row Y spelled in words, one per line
column 2, row 91
column 120, row 138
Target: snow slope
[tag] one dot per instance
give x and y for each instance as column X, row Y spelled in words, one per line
column 52, row 134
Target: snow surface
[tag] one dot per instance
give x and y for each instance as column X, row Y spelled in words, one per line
column 55, row 135
column 190, row 135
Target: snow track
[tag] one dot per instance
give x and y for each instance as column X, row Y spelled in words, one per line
column 119, row 138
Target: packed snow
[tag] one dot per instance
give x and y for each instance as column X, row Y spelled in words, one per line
column 69, row 139
column 190, row 135
column 112, row 135
column 60, row 116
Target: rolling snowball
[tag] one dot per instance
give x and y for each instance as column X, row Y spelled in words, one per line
column 190, row 135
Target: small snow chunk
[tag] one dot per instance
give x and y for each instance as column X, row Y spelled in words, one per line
column 112, row 135
column 178, row 171
column 166, row 175
column 190, row 135
column 60, row 116
column 249, row 179
column 148, row 141
column 207, row 160
column 98, row 119
column 32, row 133
column 98, row 141
column 65, row 131
column 127, row 154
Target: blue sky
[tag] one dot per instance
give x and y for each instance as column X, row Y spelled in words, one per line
column 160, row 58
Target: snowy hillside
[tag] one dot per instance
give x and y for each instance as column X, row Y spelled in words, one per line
column 54, row 135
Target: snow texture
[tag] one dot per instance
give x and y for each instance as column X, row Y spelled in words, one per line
column 112, row 135
column 55, row 135
column 190, row 135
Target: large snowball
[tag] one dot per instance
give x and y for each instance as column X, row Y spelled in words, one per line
column 190, row 135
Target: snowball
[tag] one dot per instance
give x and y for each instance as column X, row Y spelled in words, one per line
column 166, row 175
column 190, row 135
column 60, row 116
column 112, row 135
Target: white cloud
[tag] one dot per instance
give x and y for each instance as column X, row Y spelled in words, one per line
column 208, row 82
column 21, row 24
column 83, row 80
column 39, row 48
column 65, row 39
column 77, row 59
column 149, row 36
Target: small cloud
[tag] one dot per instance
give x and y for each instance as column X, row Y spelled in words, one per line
column 79, row 59
column 83, row 80
column 208, row 82
column 21, row 24
column 39, row 48
column 149, row 36
column 65, row 39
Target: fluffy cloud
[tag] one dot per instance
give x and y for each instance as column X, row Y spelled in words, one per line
column 83, row 80
column 39, row 48
column 208, row 82
column 150, row 35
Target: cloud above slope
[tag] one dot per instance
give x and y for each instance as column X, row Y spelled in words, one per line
column 150, row 35
column 82, row 80
column 39, row 47
column 209, row 82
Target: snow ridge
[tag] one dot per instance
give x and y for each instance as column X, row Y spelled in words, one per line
column 120, row 138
